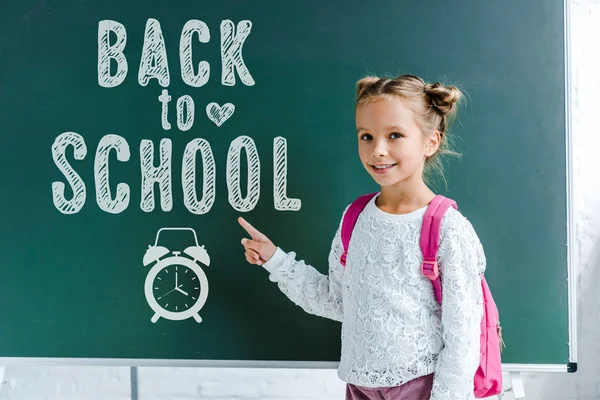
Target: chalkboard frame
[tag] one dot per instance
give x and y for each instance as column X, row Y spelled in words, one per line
column 571, row 269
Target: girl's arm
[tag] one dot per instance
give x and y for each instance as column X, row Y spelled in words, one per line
column 462, row 261
column 313, row 291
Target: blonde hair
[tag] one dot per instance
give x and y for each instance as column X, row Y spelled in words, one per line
column 434, row 105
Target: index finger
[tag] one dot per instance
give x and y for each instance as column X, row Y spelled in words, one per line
column 256, row 235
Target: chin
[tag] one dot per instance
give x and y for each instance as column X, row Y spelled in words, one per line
column 384, row 181
column 391, row 179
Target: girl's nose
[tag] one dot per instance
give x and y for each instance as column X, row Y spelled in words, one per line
column 380, row 149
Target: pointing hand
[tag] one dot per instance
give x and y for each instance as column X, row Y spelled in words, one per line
column 259, row 249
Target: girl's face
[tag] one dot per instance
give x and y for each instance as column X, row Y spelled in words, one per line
column 391, row 145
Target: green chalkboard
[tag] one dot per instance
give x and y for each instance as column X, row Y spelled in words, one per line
column 122, row 120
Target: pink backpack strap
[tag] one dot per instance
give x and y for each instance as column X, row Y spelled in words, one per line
column 430, row 238
column 350, row 219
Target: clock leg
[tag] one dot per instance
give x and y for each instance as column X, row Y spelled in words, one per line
column 197, row 318
column 155, row 318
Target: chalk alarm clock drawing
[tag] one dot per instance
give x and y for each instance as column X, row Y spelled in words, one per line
column 176, row 287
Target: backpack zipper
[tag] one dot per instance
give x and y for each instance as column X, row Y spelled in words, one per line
column 499, row 331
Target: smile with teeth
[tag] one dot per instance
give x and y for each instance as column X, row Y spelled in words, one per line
column 383, row 166
column 380, row 168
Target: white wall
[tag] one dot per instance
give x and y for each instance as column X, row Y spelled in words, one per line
column 102, row 383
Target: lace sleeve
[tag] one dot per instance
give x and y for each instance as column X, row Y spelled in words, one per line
column 462, row 261
column 314, row 292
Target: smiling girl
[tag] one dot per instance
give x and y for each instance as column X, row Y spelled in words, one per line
column 397, row 343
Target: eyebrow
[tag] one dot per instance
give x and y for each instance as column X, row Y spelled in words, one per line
column 388, row 128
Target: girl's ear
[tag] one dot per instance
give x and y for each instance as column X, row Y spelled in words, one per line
column 432, row 143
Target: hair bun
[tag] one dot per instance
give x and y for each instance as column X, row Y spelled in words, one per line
column 444, row 98
column 364, row 84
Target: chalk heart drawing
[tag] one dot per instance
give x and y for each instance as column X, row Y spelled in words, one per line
column 219, row 114
column 176, row 287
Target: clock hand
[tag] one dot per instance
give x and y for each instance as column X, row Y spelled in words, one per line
column 175, row 280
column 181, row 291
column 172, row 290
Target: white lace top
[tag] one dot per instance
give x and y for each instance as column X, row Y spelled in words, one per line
column 392, row 327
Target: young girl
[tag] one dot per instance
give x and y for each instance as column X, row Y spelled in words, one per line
column 396, row 341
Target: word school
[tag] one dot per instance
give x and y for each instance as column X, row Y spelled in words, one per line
column 161, row 175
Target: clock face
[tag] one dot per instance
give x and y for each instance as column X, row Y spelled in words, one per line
column 176, row 288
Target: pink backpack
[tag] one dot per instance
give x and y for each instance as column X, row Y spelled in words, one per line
column 488, row 378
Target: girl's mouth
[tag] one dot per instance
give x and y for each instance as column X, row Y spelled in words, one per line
column 382, row 168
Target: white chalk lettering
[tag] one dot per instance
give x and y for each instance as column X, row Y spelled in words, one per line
column 282, row 202
column 59, row 148
column 164, row 98
column 152, row 175
column 233, row 178
column 104, row 198
column 153, row 63
column 185, row 53
column 185, row 113
column 108, row 52
column 231, row 52
column 188, row 177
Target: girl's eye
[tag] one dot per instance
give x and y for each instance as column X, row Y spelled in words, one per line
column 366, row 136
column 396, row 135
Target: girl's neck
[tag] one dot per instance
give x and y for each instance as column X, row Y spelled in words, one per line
column 405, row 197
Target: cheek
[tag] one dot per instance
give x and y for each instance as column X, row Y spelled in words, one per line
column 409, row 153
column 364, row 151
